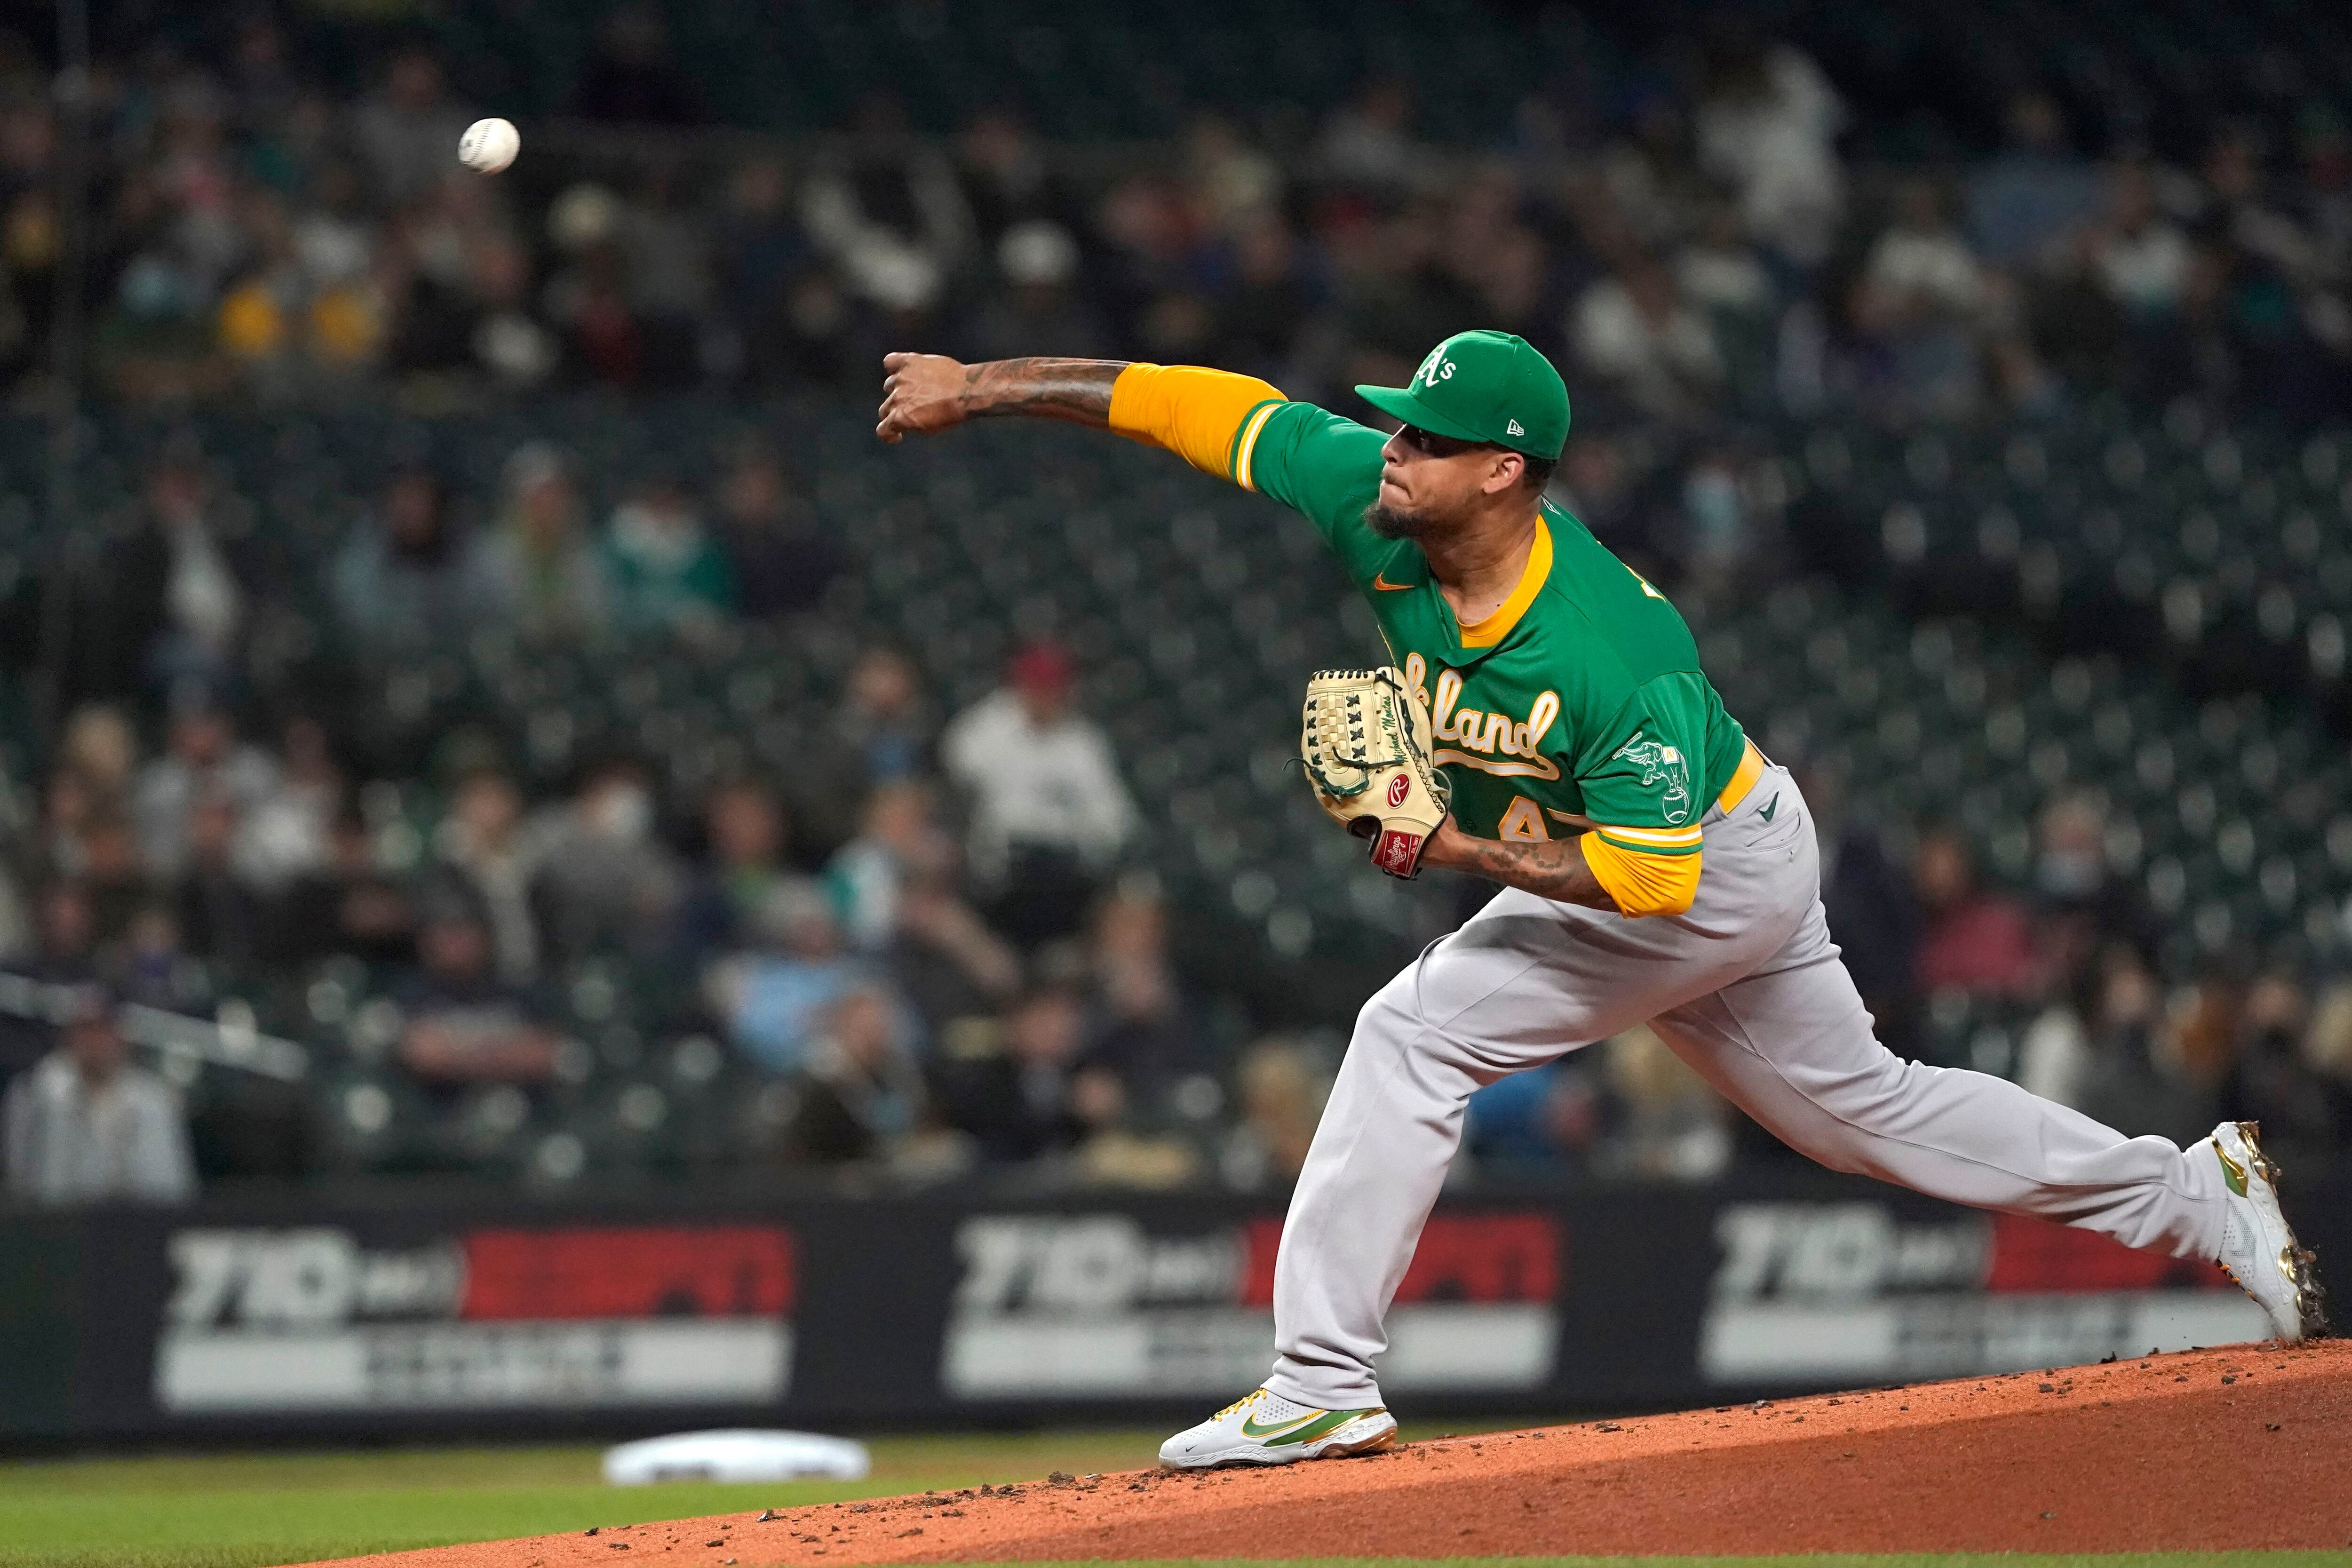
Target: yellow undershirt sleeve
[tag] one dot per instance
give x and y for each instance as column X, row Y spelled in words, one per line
column 1194, row 413
column 1642, row 884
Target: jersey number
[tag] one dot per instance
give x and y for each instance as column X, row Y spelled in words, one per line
column 1523, row 822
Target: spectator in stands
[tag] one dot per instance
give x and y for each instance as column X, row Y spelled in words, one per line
column 2138, row 255
column 773, row 1000
column 1719, row 533
column 2125, row 1080
column 2327, row 1042
column 534, row 575
column 1039, row 1095
column 1049, row 813
column 899, row 840
column 2203, row 1027
column 1767, row 126
column 482, row 846
column 603, row 881
column 151, row 969
column 1871, row 903
column 1918, row 304
column 780, row 561
column 218, row 911
column 113, row 877
column 65, row 936
column 87, row 1126
column 202, row 757
column 667, row 574
column 284, row 834
column 884, row 725
column 169, row 606
column 407, row 127
column 1281, row 1085
column 1540, row 1123
column 1396, row 292
column 1369, row 142
column 1007, row 176
column 1719, row 271
column 67, row 805
column 465, row 1025
column 1143, row 1029
column 630, row 79
column 399, row 585
column 2083, row 905
column 2027, row 203
column 861, row 1092
column 1259, row 316
column 956, row 973
column 1038, row 312
column 787, row 311
column 666, row 279
column 746, row 833
column 16, row 924
column 1976, row 940
column 1634, row 331
column 100, row 750
column 1664, row 1123
column 352, row 906
column 2273, row 1082
column 61, row 954
column 887, row 209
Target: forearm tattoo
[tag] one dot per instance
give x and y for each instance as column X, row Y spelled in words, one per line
column 1554, row 869
column 1075, row 390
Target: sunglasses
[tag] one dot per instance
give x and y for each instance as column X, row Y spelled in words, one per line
column 1430, row 444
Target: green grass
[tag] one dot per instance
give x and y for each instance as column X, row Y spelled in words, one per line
column 248, row 1511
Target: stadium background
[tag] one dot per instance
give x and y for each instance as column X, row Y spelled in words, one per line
column 479, row 697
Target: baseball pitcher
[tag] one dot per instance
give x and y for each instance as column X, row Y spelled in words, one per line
column 1544, row 723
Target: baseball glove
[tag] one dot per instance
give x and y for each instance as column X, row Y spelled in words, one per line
column 1366, row 742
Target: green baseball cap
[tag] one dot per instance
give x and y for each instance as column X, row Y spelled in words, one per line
column 1483, row 387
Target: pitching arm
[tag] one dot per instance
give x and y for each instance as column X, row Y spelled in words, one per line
column 1199, row 415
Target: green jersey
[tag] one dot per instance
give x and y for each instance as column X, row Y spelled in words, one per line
column 1581, row 698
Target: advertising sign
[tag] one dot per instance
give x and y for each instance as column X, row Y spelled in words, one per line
column 286, row 1317
column 1095, row 1305
column 308, row 1318
column 1808, row 1292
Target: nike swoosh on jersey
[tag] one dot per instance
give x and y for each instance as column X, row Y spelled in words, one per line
column 1380, row 582
column 1770, row 807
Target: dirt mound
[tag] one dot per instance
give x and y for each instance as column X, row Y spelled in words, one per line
column 2241, row 1447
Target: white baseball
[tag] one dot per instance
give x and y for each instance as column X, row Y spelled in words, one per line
column 489, row 145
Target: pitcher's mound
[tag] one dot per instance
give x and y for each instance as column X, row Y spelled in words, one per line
column 2243, row 1447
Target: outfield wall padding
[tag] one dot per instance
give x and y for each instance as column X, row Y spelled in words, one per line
column 290, row 1318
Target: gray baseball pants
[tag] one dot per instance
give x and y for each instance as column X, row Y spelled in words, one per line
column 1748, row 989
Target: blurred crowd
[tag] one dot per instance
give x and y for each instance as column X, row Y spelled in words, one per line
column 2055, row 984
column 933, row 950
column 1686, row 241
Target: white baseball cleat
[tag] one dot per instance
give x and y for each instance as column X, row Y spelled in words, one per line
column 2258, row 1249
column 1262, row 1428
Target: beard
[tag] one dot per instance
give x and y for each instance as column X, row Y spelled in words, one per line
column 1392, row 523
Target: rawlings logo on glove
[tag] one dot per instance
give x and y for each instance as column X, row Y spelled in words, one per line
column 1365, row 739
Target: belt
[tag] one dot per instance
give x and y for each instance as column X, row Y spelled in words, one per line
column 1743, row 779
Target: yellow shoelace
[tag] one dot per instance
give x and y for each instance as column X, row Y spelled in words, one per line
column 1252, row 1397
